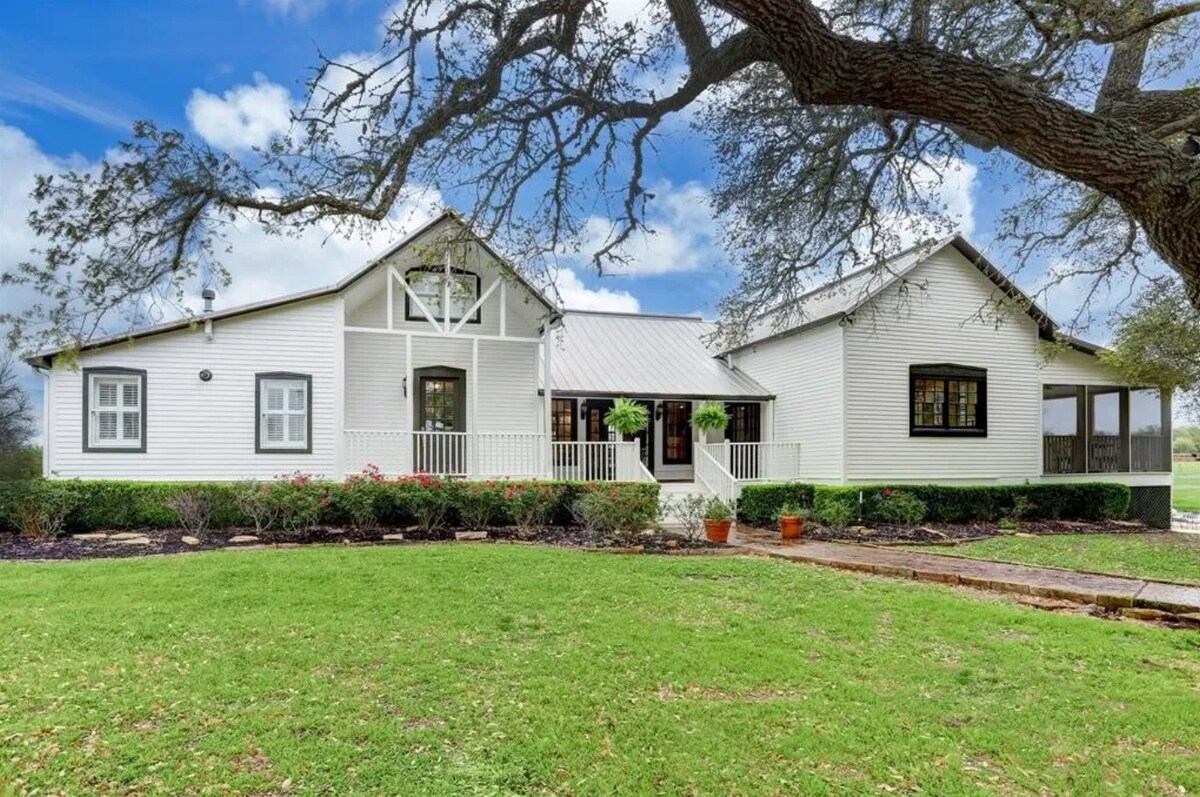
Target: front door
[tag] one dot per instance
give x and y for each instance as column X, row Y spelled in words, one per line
column 441, row 422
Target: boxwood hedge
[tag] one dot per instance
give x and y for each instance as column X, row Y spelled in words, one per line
column 122, row 505
column 948, row 503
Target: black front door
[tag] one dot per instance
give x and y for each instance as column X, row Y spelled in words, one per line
column 441, row 411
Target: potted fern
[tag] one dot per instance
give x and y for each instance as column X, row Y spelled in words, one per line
column 709, row 417
column 627, row 417
column 718, row 520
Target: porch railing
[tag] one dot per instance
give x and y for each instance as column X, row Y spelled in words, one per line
column 714, row 476
column 756, row 462
column 1064, row 454
column 488, row 455
column 492, row 455
column 601, row 461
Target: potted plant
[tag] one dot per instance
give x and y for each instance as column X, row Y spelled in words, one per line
column 718, row 519
column 791, row 521
column 709, row 417
column 627, row 417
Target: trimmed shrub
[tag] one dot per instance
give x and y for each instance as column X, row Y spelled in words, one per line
column 760, row 503
column 299, row 502
column 943, row 503
column 616, row 510
column 36, row 509
column 897, row 506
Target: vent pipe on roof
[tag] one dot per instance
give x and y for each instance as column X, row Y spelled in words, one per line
column 208, row 294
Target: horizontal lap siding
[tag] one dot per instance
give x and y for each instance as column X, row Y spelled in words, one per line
column 933, row 326
column 508, row 386
column 1077, row 368
column 206, row 430
column 375, row 371
column 804, row 372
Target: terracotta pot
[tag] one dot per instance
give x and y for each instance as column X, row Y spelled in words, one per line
column 790, row 527
column 717, row 530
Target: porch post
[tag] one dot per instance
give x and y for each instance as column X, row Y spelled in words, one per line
column 410, row 390
column 547, row 425
column 475, row 474
column 339, row 391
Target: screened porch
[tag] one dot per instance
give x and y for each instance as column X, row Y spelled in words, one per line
column 1105, row 429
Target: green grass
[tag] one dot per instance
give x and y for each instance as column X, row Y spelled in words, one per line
column 1166, row 556
column 506, row 670
column 1186, row 494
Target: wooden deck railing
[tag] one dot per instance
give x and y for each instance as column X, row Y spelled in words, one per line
column 1063, row 454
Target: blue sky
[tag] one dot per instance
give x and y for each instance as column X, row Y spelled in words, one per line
column 73, row 74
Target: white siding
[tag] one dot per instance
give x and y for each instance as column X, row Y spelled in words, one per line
column 1076, row 368
column 206, row 430
column 804, row 371
column 908, row 325
column 508, row 383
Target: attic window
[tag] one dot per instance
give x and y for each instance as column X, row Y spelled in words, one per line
column 429, row 284
column 947, row 401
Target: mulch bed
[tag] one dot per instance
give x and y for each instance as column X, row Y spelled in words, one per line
column 156, row 541
column 953, row 533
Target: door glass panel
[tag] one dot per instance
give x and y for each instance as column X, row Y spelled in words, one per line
column 439, row 413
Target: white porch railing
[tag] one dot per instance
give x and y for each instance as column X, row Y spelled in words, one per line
column 757, row 462
column 603, row 461
column 490, row 455
column 714, row 477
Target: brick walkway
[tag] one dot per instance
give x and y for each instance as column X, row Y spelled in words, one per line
column 1046, row 582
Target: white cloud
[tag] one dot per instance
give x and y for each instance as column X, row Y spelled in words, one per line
column 299, row 10
column 949, row 190
column 576, row 295
column 244, row 117
column 682, row 240
column 22, row 91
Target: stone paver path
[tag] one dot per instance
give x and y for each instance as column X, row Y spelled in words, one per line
column 1046, row 582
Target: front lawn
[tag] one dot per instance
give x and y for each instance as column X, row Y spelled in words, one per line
column 1186, row 493
column 497, row 669
column 1165, row 556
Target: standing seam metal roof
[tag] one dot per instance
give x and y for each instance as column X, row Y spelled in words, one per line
column 643, row 355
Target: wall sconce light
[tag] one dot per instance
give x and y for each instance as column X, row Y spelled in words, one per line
column 583, row 408
column 404, row 385
column 658, row 410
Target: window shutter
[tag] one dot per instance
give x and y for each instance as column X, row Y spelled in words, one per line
column 106, row 394
column 106, row 425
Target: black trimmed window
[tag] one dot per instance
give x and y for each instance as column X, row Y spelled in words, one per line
column 562, row 419
column 677, row 433
column 745, row 422
column 947, row 401
column 428, row 283
column 283, row 407
column 114, row 410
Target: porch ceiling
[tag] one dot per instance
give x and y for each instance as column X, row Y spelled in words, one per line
column 643, row 355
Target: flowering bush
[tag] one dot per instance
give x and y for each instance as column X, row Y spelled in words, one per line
column 616, row 510
column 252, row 499
column 481, row 505
column 531, row 504
column 358, row 498
column 297, row 500
column 429, row 499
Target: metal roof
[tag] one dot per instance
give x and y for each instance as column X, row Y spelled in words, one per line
column 651, row 356
column 42, row 358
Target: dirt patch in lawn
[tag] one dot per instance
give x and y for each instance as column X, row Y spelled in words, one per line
column 947, row 533
column 124, row 544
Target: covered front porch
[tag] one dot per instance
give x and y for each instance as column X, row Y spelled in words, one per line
column 1090, row 429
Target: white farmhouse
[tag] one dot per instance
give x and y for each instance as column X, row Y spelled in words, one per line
column 434, row 358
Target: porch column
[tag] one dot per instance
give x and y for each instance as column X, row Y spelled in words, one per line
column 474, row 424
column 547, row 423
column 410, row 389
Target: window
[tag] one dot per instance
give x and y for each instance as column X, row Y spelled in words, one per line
column 114, row 403
column 947, row 400
column 677, row 433
column 428, row 284
column 562, row 425
column 745, row 424
column 283, row 404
